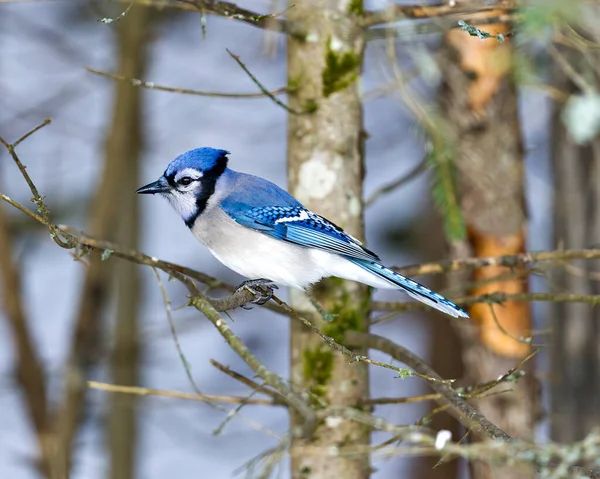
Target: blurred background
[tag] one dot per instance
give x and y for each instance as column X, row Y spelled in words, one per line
column 107, row 320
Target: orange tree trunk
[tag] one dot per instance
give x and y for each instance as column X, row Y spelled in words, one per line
column 479, row 103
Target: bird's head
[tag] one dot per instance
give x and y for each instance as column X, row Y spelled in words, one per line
column 189, row 181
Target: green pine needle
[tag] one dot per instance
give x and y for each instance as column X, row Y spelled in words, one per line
column 444, row 193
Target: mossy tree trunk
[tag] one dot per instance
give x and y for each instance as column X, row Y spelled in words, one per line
column 325, row 162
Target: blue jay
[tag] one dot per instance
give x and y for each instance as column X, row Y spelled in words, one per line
column 263, row 233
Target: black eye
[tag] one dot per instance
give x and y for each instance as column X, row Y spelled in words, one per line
column 186, row 180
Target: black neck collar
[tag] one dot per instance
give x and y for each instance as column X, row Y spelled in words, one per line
column 208, row 182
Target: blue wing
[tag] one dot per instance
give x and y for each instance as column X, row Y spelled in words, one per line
column 295, row 224
column 264, row 207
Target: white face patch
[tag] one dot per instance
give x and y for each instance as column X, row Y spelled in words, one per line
column 301, row 217
column 183, row 196
column 184, row 202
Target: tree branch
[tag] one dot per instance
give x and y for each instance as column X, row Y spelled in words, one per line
column 263, row 88
column 143, row 391
column 407, row 30
column 231, row 10
column 248, row 382
column 293, row 400
column 459, row 408
column 493, row 298
column 395, row 184
column 510, row 261
column 38, row 200
column 185, row 91
column 402, row 12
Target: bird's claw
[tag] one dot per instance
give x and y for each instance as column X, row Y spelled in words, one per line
column 262, row 289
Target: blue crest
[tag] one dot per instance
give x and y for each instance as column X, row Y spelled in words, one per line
column 201, row 159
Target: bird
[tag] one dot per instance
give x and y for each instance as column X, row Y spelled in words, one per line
column 260, row 231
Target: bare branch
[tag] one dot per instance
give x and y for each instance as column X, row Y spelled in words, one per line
column 269, row 377
column 511, row 261
column 584, row 85
column 248, row 382
column 402, row 372
column 460, row 409
column 168, row 311
column 408, row 30
column 402, row 12
column 263, row 88
column 553, row 459
column 38, row 200
column 185, row 91
column 400, row 400
column 394, row 185
column 493, row 298
column 122, row 15
column 142, row 391
column 232, row 11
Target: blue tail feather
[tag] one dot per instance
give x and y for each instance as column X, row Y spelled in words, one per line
column 412, row 288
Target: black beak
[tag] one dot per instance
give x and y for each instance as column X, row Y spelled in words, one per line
column 159, row 186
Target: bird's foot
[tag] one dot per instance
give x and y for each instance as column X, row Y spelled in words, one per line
column 262, row 289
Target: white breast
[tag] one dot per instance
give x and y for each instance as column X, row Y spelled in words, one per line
column 256, row 255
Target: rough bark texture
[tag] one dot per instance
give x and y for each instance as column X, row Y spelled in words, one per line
column 124, row 145
column 575, row 378
column 444, row 348
column 480, row 104
column 325, row 161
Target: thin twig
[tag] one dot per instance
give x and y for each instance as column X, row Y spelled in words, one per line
column 524, row 340
column 22, row 208
column 143, row 391
column 122, row 15
column 184, row 361
column 270, row 378
column 109, row 249
column 38, row 200
column 234, row 412
column 463, row 411
column 230, row 10
column 569, row 71
column 185, row 91
column 493, row 298
column 276, row 399
column 407, row 31
column 394, row 185
column 262, row 87
column 510, row 261
column 402, row 372
column 403, row 12
column 400, row 400
column 46, row 122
